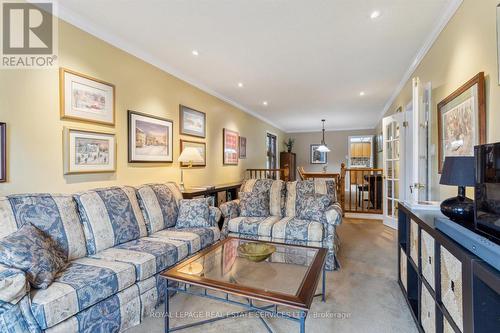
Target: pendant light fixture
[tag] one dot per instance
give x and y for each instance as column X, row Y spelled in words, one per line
column 323, row 148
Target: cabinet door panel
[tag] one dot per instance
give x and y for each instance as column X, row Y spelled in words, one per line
column 428, row 311
column 451, row 286
column 428, row 260
column 414, row 242
column 403, row 270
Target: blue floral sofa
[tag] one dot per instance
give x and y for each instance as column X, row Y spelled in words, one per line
column 294, row 216
column 116, row 241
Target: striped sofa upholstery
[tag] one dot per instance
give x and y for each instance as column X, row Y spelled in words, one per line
column 288, row 227
column 117, row 240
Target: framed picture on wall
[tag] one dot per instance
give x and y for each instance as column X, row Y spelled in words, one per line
column 150, row 138
column 243, row 147
column 230, row 147
column 88, row 152
column 3, row 152
column 192, row 122
column 318, row 157
column 86, row 98
column 201, row 146
column 462, row 120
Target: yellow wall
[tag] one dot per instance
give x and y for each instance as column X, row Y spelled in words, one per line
column 465, row 47
column 29, row 104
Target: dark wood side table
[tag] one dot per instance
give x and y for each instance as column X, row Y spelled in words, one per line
column 231, row 190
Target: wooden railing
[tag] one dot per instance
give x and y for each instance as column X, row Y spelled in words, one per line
column 283, row 174
column 363, row 190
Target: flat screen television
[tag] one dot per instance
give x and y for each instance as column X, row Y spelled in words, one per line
column 487, row 191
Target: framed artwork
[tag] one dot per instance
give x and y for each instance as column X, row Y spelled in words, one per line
column 88, row 152
column 230, row 147
column 3, row 152
column 150, row 138
column 202, row 148
column 243, row 147
column 318, row 157
column 462, row 120
column 193, row 122
column 86, row 98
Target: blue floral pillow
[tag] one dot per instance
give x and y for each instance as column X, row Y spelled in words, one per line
column 312, row 207
column 254, row 204
column 33, row 252
column 193, row 213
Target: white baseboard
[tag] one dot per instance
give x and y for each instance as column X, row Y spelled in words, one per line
column 364, row 216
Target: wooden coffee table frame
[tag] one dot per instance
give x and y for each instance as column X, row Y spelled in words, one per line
column 301, row 301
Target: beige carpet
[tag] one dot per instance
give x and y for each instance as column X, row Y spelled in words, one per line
column 363, row 296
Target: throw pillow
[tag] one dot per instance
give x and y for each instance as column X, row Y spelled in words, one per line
column 33, row 252
column 193, row 213
column 312, row 207
column 254, row 204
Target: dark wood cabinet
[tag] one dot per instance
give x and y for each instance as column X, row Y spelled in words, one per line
column 448, row 288
column 288, row 161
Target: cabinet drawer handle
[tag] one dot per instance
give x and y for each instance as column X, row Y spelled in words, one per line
column 452, row 286
column 430, row 260
column 428, row 314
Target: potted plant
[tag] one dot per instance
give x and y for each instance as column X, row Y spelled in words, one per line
column 289, row 144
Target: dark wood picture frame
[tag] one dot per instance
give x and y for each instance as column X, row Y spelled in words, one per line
column 481, row 112
column 62, row 97
column 311, row 154
column 183, row 130
column 130, row 143
column 3, row 152
column 242, row 153
column 183, row 165
column 226, row 131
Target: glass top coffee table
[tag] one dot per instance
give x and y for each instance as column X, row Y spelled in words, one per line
column 288, row 278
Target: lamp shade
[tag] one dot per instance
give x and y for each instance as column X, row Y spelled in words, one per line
column 190, row 155
column 323, row 149
column 458, row 170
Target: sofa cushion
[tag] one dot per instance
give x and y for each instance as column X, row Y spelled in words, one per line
column 83, row 283
column 110, row 216
column 261, row 226
column 214, row 215
column 254, row 204
column 196, row 238
column 304, row 188
column 193, row 213
column 290, row 228
column 312, row 207
column 32, row 251
column 159, row 205
column 13, row 284
column 149, row 255
column 276, row 190
column 56, row 215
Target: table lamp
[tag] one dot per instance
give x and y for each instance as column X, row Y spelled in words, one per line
column 458, row 170
column 189, row 155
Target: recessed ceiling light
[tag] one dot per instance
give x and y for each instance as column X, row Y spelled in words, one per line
column 375, row 14
column 195, row 52
column 240, row 84
column 264, row 103
column 362, row 93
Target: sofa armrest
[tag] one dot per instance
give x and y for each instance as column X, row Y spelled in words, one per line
column 13, row 285
column 230, row 210
column 334, row 214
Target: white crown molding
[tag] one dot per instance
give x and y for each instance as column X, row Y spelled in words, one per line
column 422, row 52
column 86, row 25
column 331, row 129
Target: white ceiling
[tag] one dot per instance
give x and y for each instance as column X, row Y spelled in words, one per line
column 309, row 59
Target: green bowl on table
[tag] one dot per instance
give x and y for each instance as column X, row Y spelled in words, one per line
column 255, row 251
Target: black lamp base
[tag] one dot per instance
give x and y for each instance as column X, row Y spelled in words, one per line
column 459, row 209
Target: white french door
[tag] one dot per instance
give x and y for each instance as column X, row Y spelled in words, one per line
column 396, row 134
